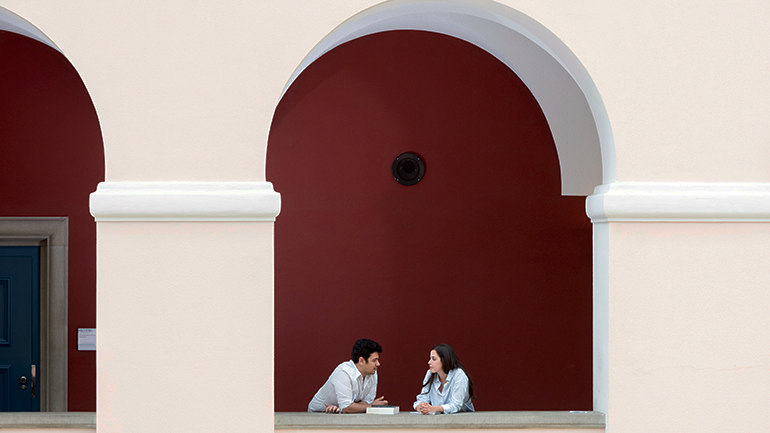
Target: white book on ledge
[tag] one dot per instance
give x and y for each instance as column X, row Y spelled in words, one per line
column 382, row 410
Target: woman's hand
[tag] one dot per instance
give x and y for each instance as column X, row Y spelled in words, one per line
column 330, row 408
column 425, row 408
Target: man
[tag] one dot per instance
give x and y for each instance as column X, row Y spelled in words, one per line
column 352, row 386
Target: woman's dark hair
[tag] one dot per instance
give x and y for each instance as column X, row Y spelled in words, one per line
column 449, row 362
column 365, row 348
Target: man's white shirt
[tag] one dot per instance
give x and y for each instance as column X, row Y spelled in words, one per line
column 346, row 385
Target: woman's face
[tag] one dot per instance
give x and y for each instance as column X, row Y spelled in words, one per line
column 434, row 363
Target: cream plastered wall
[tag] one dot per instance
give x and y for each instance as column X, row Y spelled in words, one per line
column 689, row 328
column 185, row 310
column 185, row 92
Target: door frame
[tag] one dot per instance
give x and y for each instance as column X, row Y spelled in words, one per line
column 51, row 234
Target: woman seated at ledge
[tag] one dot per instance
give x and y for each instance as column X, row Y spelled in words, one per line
column 447, row 387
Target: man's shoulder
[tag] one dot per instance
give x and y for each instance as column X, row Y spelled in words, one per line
column 346, row 364
column 346, row 367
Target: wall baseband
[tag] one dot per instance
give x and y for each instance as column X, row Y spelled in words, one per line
column 679, row 202
column 185, row 201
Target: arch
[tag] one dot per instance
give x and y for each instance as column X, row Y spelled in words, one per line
column 331, row 145
column 46, row 203
column 560, row 83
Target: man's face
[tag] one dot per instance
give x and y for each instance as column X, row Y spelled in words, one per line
column 370, row 365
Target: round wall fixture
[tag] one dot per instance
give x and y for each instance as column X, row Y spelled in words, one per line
column 408, row 169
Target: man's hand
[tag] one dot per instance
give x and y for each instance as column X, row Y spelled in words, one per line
column 360, row 406
column 380, row 401
column 330, row 408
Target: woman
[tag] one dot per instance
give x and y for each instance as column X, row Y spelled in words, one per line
column 447, row 387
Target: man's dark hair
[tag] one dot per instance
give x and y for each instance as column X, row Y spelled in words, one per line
column 365, row 348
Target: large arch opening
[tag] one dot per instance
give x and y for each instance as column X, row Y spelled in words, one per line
column 484, row 253
column 562, row 89
column 54, row 158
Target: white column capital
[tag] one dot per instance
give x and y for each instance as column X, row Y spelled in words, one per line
column 680, row 202
column 185, row 201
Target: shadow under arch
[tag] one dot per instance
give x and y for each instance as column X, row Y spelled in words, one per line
column 52, row 141
column 555, row 76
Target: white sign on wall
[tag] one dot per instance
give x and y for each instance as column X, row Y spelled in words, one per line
column 86, row 338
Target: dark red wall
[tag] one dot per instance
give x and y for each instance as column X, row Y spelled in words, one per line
column 484, row 253
column 52, row 159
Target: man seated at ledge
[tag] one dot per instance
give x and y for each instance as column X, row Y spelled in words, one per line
column 352, row 386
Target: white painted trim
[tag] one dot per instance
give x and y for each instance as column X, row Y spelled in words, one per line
column 681, row 201
column 601, row 316
column 562, row 86
column 13, row 23
column 185, row 201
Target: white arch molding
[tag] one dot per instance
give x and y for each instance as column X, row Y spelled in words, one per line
column 567, row 95
column 10, row 22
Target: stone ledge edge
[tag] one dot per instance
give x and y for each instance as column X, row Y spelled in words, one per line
column 185, row 201
column 474, row 420
column 48, row 420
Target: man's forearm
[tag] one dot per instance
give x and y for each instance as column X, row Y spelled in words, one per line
column 357, row 407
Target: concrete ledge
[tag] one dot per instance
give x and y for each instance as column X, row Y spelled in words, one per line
column 48, row 420
column 412, row 421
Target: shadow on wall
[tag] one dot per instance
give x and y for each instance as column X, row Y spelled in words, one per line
column 483, row 253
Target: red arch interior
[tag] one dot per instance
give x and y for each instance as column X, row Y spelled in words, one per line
column 484, row 253
column 52, row 160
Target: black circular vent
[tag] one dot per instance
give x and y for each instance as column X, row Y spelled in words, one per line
column 408, row 169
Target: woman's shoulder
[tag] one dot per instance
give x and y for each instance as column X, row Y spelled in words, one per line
column 458, row 373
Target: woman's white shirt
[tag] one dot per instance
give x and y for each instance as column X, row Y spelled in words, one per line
column 453, row 398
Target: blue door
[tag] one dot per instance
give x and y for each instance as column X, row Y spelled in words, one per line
column 19, row 329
